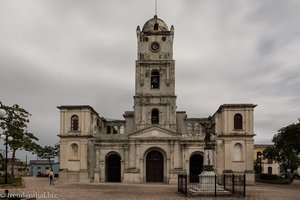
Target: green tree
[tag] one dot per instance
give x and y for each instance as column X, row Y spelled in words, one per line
column 1, row 159
column 57, row 149
column 15, row 124
column 271, row 152
column 48, row 152
column 286, row 147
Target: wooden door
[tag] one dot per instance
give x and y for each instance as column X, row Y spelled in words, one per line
column 155, row 167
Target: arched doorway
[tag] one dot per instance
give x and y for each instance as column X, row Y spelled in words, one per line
column 154, row 167
column 113, row 168
column 196, row 167
column 270, row 170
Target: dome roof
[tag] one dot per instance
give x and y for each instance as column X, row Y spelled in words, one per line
column 155, row 25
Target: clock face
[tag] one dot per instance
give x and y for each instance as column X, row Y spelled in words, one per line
column 154, row 47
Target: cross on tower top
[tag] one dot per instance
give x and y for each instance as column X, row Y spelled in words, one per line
column 155, row 7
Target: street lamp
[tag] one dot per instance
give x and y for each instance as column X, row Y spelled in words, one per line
column 6, row 138
column 2, row 111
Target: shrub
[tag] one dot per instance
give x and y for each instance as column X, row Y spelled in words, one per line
column 271, row 178
column 268, row 176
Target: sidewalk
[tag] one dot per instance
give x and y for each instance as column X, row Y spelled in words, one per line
column 40, row 188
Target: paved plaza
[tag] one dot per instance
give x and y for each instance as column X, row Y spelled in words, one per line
column 39, row 187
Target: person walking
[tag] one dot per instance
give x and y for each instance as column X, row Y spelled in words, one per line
column 51, row 177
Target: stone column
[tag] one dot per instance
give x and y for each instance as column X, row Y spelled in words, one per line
column 137, row 155
column 141, row 76
column 227, row 154
column 183, row 150
column 97, row 157
column 172, row 155
column 142, row 113
column 102, row 171
column 97, row 164
column 167, row 75
column 126, row 159
column 132, row 154
column 177, row 155
column 91, row 160
column 168, row 115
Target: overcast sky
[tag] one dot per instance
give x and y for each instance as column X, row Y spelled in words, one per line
column 65, row 52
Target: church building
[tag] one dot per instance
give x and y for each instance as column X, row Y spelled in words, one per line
column 154, row 142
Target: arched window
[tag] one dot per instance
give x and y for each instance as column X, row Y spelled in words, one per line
column 155, row 116
column 238, row 121
column 155, row 79
column 115, row 129
column 108, row 130
column 156, row 26
column 238, row 152
column 74, row 123
column 122, row 128
column 74, row 151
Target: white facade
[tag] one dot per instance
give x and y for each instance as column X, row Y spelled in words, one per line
column 268, row 166
column 154, row 142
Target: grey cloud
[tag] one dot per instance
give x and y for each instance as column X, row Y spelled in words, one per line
column 79, row 52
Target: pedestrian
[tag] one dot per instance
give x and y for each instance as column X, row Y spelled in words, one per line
column 51, row 177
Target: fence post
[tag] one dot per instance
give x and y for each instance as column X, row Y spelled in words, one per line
column 215, row 185
column 244, row 185
column 232, row 183
column 186, row 185
column 224, row 181
column 178, row 183
column 181, row 183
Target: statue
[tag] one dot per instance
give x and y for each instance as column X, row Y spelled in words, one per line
column 208, row 159
column 208, row 133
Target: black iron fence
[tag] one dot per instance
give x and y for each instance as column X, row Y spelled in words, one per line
column 182, row 183
column 213, row 185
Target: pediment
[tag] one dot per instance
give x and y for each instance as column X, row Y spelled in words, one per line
column 154, row 132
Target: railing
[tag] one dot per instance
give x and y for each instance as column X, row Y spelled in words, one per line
column 213, row 185
column 182, row 184
column 235, row 183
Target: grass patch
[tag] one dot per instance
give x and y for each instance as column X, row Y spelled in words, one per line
column 12, row 182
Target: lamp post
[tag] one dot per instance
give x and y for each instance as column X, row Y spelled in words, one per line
column 2, row 111
column 6, row 138
column 260, row 163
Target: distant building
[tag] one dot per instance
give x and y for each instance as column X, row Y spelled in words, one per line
column 20, row 167
column 42, row 167
column 269, row 166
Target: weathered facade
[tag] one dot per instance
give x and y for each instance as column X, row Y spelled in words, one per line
column 154, row 142
column 268, row 166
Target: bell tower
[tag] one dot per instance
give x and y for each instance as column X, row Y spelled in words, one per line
column 155, row 99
